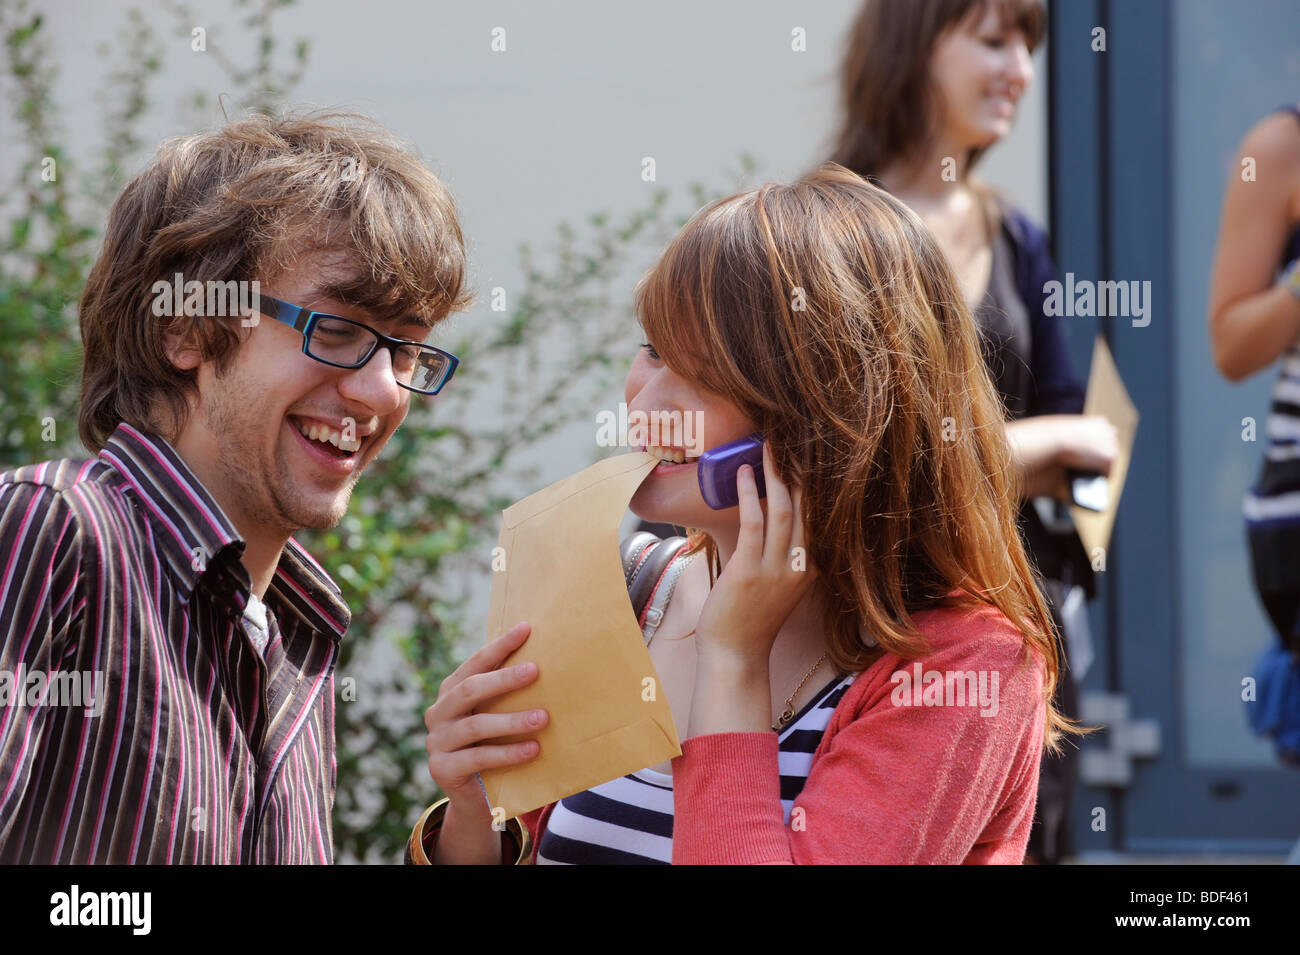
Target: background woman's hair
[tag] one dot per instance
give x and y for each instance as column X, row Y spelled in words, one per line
column 826, row 312
column 889, row 105
column 243, row 203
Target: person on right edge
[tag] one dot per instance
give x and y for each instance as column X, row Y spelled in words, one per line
column 1254, row 319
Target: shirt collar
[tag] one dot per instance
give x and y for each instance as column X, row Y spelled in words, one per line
column 197, row 538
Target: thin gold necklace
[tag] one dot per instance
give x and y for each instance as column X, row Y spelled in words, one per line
column 788, row 713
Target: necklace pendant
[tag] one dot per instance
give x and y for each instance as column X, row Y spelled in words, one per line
column 785, row 717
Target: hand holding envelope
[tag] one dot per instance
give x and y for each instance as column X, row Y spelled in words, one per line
column 563, row 575
column 1107, row 397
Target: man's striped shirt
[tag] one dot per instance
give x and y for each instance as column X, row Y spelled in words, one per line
column 122, row 574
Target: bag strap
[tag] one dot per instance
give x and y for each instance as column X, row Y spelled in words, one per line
column 651, row 571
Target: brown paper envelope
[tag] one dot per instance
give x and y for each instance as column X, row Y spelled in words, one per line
column 1108, row 397
column 564, row 575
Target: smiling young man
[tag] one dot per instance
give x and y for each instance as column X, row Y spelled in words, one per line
column 164, row 566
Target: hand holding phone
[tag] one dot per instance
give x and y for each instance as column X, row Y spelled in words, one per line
column 718, row 466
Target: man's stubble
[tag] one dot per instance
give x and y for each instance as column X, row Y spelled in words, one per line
column 273, row 501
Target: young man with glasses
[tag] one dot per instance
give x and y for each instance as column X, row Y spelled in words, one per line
column 164, row 567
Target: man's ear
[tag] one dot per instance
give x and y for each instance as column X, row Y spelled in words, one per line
column 181, row 349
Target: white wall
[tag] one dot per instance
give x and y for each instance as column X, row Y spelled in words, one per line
column 556, row 126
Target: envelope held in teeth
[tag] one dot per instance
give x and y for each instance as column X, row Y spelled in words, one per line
column 563, row 574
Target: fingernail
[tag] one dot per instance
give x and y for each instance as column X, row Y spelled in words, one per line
column 535, row 717
column 524, row 669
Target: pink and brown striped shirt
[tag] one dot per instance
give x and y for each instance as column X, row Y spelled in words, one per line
column 122, row 572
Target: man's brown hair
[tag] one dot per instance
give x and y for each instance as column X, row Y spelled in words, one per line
column 240, row 204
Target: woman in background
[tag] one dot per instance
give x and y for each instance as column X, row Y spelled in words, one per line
column 928, row 87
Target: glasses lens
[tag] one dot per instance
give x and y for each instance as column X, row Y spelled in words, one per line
column 341, row 341
column 428, row 369
column 344, row 342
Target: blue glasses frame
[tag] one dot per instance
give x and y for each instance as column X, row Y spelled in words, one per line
column 305, row 320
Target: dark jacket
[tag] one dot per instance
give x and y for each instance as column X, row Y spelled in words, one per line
column 1054, row 390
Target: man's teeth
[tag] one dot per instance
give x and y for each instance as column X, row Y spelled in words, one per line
column 320, row 432
column 671, row 455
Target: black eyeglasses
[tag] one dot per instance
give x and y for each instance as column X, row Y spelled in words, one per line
column 343, row 343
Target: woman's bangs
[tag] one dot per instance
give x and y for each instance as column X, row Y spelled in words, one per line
column 1024, row 15
column 667, row 306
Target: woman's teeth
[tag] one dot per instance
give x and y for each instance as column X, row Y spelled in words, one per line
column 671, row 455
column 320, row 432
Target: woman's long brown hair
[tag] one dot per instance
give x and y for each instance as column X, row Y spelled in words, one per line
column 826, row 312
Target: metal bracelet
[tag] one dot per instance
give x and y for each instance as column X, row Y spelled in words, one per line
column 419, row 848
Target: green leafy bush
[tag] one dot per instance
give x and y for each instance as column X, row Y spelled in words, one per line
column 425, row 515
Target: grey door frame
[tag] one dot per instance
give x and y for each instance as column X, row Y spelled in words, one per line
column 1111, row 185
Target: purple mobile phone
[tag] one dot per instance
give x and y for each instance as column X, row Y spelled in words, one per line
column 718, row 466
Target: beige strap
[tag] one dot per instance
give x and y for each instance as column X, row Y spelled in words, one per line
column 659, row 602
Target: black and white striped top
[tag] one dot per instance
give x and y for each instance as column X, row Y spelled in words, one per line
column 1275, row 498
column 629, row 820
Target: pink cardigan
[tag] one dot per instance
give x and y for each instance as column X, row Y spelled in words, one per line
column 893, row 780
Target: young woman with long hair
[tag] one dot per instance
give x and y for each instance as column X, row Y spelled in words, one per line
column 861, row 667
column 928, row 87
